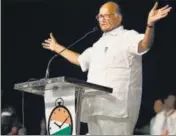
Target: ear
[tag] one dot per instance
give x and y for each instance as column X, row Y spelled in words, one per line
column 119, row 17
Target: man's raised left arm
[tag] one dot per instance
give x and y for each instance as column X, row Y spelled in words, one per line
column 154, row 16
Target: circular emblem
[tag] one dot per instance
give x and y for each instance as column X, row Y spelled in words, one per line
column 60, row 120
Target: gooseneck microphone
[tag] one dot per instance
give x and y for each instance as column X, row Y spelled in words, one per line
column 71, row 45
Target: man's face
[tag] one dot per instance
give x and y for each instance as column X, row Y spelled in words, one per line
column 158, row 106
column 169, row 102
column 108, row 19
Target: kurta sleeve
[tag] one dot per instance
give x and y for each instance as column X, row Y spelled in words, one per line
column 84, row 59
column 133, row 39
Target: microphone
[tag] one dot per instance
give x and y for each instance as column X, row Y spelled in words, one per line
column 71, row 45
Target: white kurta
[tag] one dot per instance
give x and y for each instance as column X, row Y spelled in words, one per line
column 151, row 124
column 114, row 61
column 169, row 123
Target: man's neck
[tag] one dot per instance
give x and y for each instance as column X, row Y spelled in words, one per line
column 113, row 28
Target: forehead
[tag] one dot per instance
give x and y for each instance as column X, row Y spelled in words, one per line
column 104, row 10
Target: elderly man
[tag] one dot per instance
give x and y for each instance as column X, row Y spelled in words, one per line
column 114, row 61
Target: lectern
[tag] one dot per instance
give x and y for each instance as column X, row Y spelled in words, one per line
column 63, row 98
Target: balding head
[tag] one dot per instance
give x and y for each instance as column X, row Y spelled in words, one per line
column 112, row 7
column 109, row 16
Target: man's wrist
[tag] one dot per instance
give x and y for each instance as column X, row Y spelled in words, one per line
column 150, row 25
column 59, row 48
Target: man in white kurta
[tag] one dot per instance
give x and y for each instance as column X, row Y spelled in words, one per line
column 114, row 61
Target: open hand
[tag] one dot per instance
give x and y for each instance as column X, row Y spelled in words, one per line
column 50, row 43
column 157, row 14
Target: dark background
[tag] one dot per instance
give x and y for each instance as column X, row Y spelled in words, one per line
column 26, row 23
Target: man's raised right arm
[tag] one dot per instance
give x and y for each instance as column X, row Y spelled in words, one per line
column 51, row 44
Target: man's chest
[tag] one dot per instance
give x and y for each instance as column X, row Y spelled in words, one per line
column 110, row 52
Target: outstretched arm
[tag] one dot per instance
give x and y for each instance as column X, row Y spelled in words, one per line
column 51, row 44
column 154, row 16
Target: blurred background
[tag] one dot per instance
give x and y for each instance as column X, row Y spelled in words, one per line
column 26, row 23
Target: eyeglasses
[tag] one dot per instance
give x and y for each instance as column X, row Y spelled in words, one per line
column 105, row 16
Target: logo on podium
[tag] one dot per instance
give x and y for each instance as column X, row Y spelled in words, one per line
column 60, row 120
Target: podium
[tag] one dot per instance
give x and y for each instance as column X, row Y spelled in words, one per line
column 63, row 98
